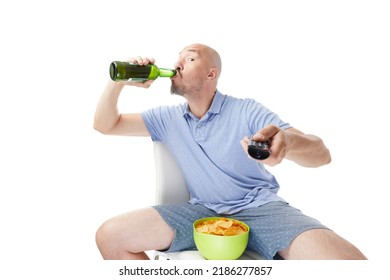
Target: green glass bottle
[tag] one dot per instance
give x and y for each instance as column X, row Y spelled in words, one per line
column 125, row 71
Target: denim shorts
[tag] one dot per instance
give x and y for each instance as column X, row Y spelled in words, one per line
column 272, row 226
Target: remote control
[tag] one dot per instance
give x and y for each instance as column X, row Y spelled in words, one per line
column 258, row 150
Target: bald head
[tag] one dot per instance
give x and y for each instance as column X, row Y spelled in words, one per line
column 212, row 56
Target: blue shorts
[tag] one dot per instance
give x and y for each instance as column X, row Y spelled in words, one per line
column 272, row 226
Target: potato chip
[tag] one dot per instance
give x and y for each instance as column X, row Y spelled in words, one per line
column 203, row 228
column 224, row 224
column 221, row 226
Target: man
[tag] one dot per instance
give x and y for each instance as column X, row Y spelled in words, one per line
column 208, row 137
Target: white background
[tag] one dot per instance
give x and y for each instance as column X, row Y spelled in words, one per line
column 323, row 66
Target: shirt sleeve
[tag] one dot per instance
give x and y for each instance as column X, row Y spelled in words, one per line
column 157, row 121
column 259, row 116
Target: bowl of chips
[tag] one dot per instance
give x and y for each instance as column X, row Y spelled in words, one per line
column 220, row 238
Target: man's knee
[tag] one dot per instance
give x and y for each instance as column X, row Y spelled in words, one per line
column 104, row 234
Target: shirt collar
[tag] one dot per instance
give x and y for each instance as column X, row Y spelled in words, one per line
column 215, row 107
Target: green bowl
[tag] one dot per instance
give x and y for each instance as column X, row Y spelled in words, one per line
column 216, row 247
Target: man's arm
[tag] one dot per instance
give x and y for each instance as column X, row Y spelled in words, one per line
column 304, row 149
column 109, row 121
column 107, row 118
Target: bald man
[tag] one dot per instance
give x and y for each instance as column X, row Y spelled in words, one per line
column 208, row 136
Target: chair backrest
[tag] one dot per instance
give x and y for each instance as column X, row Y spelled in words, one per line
column 170, row 184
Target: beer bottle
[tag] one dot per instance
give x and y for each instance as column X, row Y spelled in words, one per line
column 125, row 71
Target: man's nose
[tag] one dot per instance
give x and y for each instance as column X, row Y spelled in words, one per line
column 178, row 66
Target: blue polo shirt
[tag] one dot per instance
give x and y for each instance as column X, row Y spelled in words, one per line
column 217, row 170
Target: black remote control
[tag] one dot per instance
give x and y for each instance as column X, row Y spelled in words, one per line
column 258, row 150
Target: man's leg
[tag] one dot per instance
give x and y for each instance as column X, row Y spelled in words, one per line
column 321, row 244
column 129, row 235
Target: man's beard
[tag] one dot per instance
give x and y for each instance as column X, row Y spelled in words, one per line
column 176, row 90
column 186, row 90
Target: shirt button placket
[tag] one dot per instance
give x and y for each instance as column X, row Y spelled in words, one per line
column 199, row 131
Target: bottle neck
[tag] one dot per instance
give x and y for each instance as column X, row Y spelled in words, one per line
column 164, row 72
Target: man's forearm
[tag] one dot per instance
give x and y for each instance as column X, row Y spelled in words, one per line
column 307, row 150
column 107, row 115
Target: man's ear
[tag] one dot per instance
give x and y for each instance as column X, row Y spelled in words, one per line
column 213, row 74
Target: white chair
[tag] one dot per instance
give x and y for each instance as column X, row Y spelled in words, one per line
column 171, row 188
